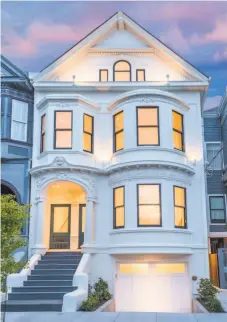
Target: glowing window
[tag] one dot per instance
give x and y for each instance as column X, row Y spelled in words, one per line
column 43, row 134
column 103, row 75
column 119, row 207
column 180, row 207
column 149, row 207
column 63, row 130
column 138, row 268
column 178, row 131
column 88, row 133
column 174, row 268
column 118, row 121
column 122, row 71
column 147, row 126
column 61, row 220
column 140, row 75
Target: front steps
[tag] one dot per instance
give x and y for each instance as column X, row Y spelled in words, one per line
column 49, row 281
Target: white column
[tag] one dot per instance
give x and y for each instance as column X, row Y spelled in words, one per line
column 39, row 247
column 89, row 229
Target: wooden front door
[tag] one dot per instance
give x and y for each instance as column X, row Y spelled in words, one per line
column 82, row 218
column 60, row 226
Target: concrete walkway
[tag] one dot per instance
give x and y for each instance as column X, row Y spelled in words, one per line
column 112, row 317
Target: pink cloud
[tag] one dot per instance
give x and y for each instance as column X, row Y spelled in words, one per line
column 175, row 38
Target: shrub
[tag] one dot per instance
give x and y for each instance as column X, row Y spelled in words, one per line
column 91, row 303
column 207, row 294
column 101, row 289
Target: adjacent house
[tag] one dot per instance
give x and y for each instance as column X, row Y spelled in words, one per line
column 16, row 134
column 118, row 170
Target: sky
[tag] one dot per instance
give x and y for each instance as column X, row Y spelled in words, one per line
column 35, row 33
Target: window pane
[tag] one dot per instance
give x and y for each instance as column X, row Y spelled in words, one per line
column 19, row 111
column 179, row 194
column 87, row 142
column 118, row 122
column 147, row 116
column 88, row 123
column 104, row 75
column 119, row 220
column 43, row 123
column 149, row 215
column 212, row 150
column 137, row 268
column 119, row 197
column 149, row 194
column 179, row 217
column 177, row 140
column 19, row 131
column 122, row 65
column 217, row 215
column 63, row 120
column 63, row 139
column 43, row 146
column 119, row 141
column 122, row 76
column 217, row 203
column 177, row 121
column 148, row 136
column 140, row 76
column 61, row 217
column 176, row 268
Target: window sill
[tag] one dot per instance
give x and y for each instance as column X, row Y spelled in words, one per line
column 64, row 152
column 150, row 230
column 149, row 148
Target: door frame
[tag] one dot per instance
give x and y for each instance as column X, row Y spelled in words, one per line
column 80, row 236
column 52, row 222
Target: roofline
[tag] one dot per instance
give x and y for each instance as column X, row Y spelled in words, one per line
column 3, row 58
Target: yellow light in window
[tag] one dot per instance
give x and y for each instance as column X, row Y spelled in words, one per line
column 138, row 268
column 174, row 268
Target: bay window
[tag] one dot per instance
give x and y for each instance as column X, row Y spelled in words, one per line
column 63, row 130
column 180, row 207
column 119, row 207
column 178, row 131
column 118, row 124
column 43, row 134
column 19, row 120
column 88, row 133
column 149, row 205
column 147, row 126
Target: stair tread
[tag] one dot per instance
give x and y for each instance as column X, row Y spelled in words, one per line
column 12, row 302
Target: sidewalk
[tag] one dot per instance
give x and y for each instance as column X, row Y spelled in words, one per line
column 113, row 317
column 222, row 296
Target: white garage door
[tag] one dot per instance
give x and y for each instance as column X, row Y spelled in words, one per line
column 156, row 287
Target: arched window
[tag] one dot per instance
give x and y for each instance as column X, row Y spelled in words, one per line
column 122, row 71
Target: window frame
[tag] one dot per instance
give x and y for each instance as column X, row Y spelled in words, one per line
column 140, row 70
column 114, row 208
column 91, row 134
column 147, row 126
column 62, row 130
column 138, row 204
column 42, row 134
column 185, row 207
column 100, row 73
column 115, row 133
column 224, row 209
column 122, row 71
column 175, row 130
column 12, row 120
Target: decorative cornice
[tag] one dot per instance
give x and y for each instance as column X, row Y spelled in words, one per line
column 16, row 94
column 63, row 101
column 121, row 51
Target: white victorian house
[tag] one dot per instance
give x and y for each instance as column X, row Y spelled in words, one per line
column 118, row 168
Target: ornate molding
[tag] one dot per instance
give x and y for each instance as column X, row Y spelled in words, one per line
column 121, row 51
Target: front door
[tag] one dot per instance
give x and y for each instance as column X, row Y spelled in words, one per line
column 82, row 218
column 60, row 226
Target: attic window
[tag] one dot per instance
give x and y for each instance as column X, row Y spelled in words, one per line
column 122, row 71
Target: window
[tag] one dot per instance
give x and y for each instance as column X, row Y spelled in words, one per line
column 103, row 75
column 149, row 207
column 178, row 131
column 43, row 134
column 217, row 209
column 63, row 130
column 118, row 131
column 119, row 207
column 180, row 207
column 134, row 268
column 212, row 151
column 122, row 71
column 175, row 268
column 147, row 126
column 140, row 75
column 88, row 133
column 19, row 120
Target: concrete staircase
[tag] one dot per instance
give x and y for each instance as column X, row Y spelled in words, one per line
column 49, row 281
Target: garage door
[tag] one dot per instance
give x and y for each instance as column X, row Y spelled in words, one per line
column 156, row 287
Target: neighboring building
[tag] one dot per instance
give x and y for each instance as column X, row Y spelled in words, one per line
column 16, row 133
column 118, row 166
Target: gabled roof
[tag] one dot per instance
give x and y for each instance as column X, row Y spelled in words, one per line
column 119, row 19
column 10, row 73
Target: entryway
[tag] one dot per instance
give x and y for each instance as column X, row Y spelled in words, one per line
column 152, row 287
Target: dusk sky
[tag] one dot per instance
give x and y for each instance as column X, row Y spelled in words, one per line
column 35, row 33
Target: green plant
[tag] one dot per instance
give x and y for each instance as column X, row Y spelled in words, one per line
column 13, row 216
column 101, row 289
column 91, row 303
column 207, row 295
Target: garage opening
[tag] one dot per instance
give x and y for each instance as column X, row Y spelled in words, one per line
column 152, row 287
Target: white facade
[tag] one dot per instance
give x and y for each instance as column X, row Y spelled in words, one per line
column 74, row 177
